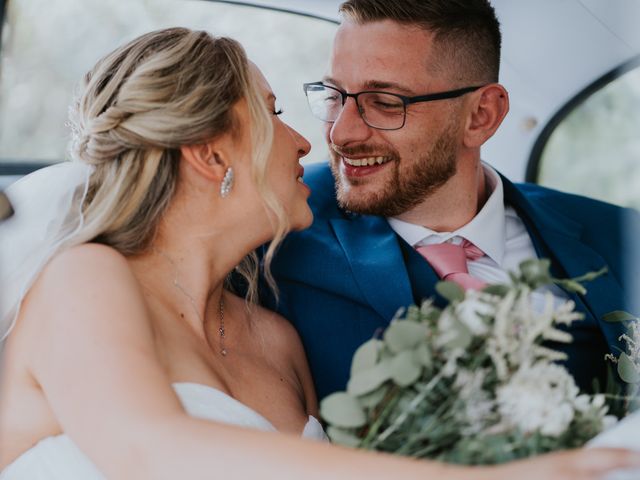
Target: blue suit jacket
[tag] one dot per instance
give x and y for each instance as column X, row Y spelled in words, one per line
column 343, row 279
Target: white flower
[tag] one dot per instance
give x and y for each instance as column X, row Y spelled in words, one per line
column 472, row 310
column 598, row 401
column 478, row 406
column 583, row 403
column 451, row 366
column 446, row 329
column 540, row 398
column 565, row 313
column 632, row 339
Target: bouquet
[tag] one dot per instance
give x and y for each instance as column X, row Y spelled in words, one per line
column 473, row 383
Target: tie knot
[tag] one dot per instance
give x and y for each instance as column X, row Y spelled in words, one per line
column 471, row 251
column 450, row 261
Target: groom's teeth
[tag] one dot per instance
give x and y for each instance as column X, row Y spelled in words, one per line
column 362, row 162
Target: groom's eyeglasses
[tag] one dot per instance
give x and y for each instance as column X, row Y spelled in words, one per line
column 381, row 110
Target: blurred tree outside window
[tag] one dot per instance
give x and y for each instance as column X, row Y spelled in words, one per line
column 595, row 150
column 48, row 46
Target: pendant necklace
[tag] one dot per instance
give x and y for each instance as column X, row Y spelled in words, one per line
column 177, row 285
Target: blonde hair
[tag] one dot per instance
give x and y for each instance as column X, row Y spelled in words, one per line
column 137, row 107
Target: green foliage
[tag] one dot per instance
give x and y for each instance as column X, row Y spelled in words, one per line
column 343, row 410
column 618, row 316
column 627, row 370
column 450, row 291
column 433, row 385
column 401, row 336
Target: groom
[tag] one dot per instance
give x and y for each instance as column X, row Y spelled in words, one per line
column 410, row 97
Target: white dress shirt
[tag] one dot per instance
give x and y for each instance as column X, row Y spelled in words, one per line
column 496, row 229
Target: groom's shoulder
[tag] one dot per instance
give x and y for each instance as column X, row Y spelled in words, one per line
column 576, row 206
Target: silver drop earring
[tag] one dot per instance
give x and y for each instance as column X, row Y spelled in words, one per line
column 227, row 183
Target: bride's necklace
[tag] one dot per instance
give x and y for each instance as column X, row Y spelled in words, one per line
column 192, row 301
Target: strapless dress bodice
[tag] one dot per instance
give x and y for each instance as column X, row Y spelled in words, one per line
column 58, row 458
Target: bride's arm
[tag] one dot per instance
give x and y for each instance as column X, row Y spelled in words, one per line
column 92, row 351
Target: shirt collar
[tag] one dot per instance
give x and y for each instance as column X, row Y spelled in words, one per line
column 486, row 230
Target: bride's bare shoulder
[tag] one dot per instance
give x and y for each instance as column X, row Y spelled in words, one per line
column 85, row 258
column 87, row 277
column 278, row 329
column 83, row 268
column 86, row 297
column 284, row 342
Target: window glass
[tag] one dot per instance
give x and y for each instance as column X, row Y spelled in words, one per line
column 47, row 47
column 595, row 150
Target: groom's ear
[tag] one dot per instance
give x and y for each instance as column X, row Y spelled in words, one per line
column 208, row 159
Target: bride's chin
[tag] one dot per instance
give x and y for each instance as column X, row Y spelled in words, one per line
column 303, row 222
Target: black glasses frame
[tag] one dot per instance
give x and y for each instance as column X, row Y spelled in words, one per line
column 430, row 97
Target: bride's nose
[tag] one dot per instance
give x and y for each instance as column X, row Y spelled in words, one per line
column 304, row 147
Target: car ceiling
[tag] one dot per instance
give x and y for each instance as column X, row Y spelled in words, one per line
column 552, row 51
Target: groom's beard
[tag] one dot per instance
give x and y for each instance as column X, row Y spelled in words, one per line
column 407, row 187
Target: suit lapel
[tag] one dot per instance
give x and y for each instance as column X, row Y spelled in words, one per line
column 376, row 261
column 558, row 237
column 422, row 276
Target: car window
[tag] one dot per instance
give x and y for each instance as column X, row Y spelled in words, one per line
column 595, row 149
column 47, row 47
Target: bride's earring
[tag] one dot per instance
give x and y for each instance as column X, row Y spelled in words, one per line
column 227, row 183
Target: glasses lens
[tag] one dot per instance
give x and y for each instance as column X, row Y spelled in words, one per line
column 382, row 110
column 325, row 102
column 378, row 109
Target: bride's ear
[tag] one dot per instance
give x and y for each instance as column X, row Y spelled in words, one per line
column 208, row 159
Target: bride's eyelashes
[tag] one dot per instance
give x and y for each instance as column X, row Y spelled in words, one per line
column 277, row 111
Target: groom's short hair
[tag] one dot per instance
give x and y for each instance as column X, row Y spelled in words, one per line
column 467, row 32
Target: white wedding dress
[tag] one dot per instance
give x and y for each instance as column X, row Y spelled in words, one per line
column 58, row 458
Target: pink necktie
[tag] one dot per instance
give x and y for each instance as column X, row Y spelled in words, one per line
column 450, row 262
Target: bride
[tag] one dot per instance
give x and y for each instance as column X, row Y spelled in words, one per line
column 125, row 354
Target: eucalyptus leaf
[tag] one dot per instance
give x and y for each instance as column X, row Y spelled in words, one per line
column 366, row 356
column 450, row 291
column 404, row 369
column 372, row 399
column 535, row 272
column 404, row 335
column 423, row 356
column 462, row 336
column 342, row 410
column 497, row 289
column 366, row 381
column 618, row 316
column 343, row 437
column 572, row 286
column 627, row 369
column 590, row 276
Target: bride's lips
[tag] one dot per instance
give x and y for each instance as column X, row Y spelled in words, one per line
column 362, row 166
column 300, row 180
